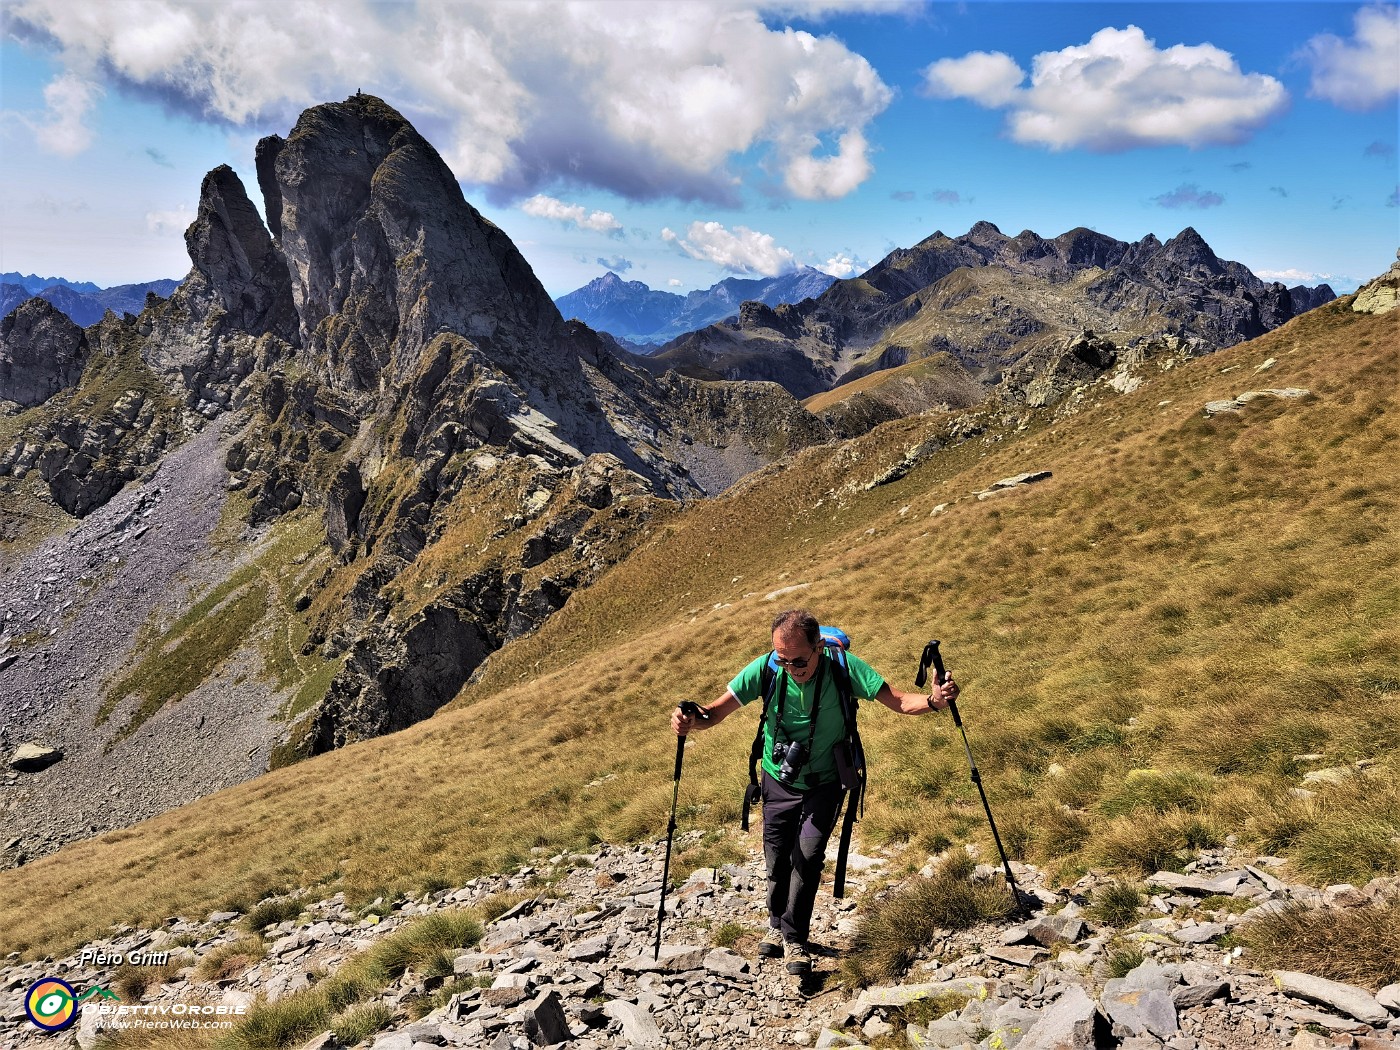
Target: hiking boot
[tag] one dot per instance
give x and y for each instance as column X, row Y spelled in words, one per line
column 799, row 959
column 771, row 947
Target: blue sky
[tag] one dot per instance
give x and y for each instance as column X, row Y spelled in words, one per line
column 678, row 144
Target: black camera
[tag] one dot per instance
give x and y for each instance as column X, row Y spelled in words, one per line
column 790, row 757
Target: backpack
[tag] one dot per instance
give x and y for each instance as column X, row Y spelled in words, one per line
column 850, row 755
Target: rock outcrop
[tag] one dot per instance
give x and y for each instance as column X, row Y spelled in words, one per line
column 41, row 353
column 1381, row 295
column 385, row 355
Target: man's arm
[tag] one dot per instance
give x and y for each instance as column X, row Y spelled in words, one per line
column 919, row 703
column 718, row 711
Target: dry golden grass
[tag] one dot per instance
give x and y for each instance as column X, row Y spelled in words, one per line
column 1357, row 945
column 1148, row 638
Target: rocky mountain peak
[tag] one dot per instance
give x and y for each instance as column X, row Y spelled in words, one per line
column 41, row 353
column 385, row 252
column 985, row 234
column 1189, row 249
column 1084, row 247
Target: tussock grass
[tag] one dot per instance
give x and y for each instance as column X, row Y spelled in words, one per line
column 1357, row 945
column 1203, row 598
column 132, row 982
column 727, row 934
column 270, row 912
column 892, row 933
column 1116, row 904
column 358, row 1023
column 1123, row 960
column 230, row 960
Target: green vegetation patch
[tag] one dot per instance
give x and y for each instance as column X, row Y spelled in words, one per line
column 190, row 651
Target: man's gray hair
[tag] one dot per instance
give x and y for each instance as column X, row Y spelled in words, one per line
column 801, row 621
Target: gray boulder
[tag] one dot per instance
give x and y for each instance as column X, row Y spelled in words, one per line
column 1068, row 1024
column 32, row 757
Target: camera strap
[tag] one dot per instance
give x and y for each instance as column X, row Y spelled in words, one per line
column 817, row 684
column 772, row 684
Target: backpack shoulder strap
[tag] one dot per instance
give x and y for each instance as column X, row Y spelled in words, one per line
column 855, row 800
column 770, row 681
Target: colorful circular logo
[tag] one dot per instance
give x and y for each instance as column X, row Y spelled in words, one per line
column 51, row 1004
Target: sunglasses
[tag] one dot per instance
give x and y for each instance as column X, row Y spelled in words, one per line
column 797, row 664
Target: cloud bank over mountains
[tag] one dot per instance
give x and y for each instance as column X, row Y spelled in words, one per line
column 610, row 121
column 647, row 102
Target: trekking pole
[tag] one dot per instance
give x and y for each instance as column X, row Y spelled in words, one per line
column 932, row 656
column 694, row 710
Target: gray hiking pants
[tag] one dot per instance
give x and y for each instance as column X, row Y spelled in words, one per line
column 796, row 826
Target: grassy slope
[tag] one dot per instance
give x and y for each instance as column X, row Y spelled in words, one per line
column 1145, row 641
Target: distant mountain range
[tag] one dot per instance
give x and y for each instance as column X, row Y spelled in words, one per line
column 634, row 314
column 998, row 307
column 83, row 301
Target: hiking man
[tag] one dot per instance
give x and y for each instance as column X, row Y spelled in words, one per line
column 801, row 784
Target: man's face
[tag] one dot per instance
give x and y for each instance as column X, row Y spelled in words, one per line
column 794, row 649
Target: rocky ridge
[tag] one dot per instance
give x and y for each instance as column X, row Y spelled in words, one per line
column 996, row 303
column 572, row 964
column 84, row 304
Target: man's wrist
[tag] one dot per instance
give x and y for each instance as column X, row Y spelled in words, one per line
column 930, row 703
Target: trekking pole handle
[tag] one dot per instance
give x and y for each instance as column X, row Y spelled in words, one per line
column 690, row 709
column 932, row 656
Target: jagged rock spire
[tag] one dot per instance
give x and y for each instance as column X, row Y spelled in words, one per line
column 232, row 251
column 385, row 252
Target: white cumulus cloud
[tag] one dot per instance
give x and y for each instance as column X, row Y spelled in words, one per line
column 988, row 78
column 68, row 101
column 1292, row 276
column 1117, row 92
column 841, row 265
column 740, row 250
column 647, row 101
column 1363, row 72
column 542, row 207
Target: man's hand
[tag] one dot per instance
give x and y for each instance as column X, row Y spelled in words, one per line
column 943, row 693
column 688, row 716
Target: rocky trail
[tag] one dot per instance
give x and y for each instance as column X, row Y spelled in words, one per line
column 570, row 965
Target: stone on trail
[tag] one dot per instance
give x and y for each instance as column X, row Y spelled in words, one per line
column 637, row 1026
column 1200, row 994
column 545, row 1022
column 1349, row 999
column 674, row 958
column 1067, row 1025
column 1140, row 1010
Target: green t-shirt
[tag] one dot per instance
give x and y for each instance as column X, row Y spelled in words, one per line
column 797, row 714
